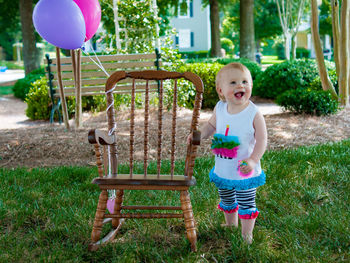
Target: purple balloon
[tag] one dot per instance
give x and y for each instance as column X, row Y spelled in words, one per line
column 60, row 22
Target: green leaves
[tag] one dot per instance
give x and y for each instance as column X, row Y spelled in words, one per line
column 315, row 102
column 288, row 75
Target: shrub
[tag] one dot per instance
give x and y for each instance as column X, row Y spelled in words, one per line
column 39, row 104
column 288, row 75
column 207, row 72
column 22, row 86
column 308, row 101
column 280, row 51
column 38, row 101
column 227, row 44
column 195, row 54
column 332, row 73
column 302, row 52
column 254, row 68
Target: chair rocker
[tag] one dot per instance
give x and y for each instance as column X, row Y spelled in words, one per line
column 149, row 83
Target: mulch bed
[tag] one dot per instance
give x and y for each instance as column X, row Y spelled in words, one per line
column 45, row 145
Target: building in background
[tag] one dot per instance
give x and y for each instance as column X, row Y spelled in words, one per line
column 192, row 28
column 304, row 40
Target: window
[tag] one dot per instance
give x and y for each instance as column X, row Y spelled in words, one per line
column 189, row 10
column 185, row 38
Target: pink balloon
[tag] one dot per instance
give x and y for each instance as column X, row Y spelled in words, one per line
column 91, row 10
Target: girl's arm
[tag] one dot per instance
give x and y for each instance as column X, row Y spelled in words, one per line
column 260, row 144
column 208, row 129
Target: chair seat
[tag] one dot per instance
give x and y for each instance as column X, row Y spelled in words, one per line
column 140, row 179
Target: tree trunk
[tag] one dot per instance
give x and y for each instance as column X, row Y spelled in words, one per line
column 287, row 40
column 336, row 32
column 343, row 54
column 116, row 24
column 215, row 29
column 246, row 45
column 30, row 53
column 294, row 46
column 326, row 83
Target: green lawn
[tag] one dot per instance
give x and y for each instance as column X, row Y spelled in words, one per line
column 270, row 60
column 5, row 90
column 46, row 215
column 12, row 64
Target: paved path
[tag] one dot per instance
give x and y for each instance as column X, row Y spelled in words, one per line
column 10, row 76
column 12, row 113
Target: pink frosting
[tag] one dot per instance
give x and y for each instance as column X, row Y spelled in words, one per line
column 231, row 153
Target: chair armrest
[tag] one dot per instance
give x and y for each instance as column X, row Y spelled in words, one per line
column 100, row 137
column 196, row 138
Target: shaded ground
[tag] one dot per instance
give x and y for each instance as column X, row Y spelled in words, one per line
column 39, row 144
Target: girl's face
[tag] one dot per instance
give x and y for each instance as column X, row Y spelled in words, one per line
column 235, row 86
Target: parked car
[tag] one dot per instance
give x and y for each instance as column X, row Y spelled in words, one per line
column 327, row 53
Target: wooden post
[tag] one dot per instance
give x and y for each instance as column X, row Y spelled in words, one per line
column 63, row 98
column 76, row 63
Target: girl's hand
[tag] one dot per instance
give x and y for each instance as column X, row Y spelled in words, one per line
column 189, row 138
column 248, row 167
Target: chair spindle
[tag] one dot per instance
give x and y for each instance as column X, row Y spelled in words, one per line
column 160, row 124
column 105, row 159
column 132, row 128
column 146, row 130
column 98, row 160
column 173, row 131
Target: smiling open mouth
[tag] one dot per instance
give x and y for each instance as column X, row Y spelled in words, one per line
column 239, row 94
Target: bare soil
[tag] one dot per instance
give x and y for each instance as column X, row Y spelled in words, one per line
column 40, row 144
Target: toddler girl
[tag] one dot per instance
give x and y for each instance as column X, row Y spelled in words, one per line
column 239, row 143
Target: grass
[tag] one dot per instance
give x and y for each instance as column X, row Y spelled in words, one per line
column 6, row 90
column 270, row 60
column 46, row 215
column 12, row 64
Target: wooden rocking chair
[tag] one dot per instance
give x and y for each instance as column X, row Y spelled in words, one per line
column 109, row 178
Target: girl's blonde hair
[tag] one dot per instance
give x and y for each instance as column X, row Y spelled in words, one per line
column 230, row 66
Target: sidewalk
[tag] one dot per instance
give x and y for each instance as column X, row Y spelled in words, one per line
column 12, row 113
column 10, row 76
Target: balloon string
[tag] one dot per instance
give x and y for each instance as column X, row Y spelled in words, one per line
column 111, row 193
column 98, row 63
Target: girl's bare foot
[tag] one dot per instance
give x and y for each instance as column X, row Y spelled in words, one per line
column 248, row 238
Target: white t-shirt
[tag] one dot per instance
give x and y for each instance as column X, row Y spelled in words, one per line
column 233, row 142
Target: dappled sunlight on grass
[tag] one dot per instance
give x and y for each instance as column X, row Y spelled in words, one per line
column 48, row 214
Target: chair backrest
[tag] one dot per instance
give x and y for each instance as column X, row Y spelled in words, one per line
column 159, row 131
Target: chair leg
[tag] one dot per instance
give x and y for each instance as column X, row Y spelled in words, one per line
column 97, row 228
column 189, row 219
column 117, row 207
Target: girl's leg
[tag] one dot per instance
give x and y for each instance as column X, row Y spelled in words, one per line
column 231, row 219
column 229, row 206
column 247, row 229
column 247, row 212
